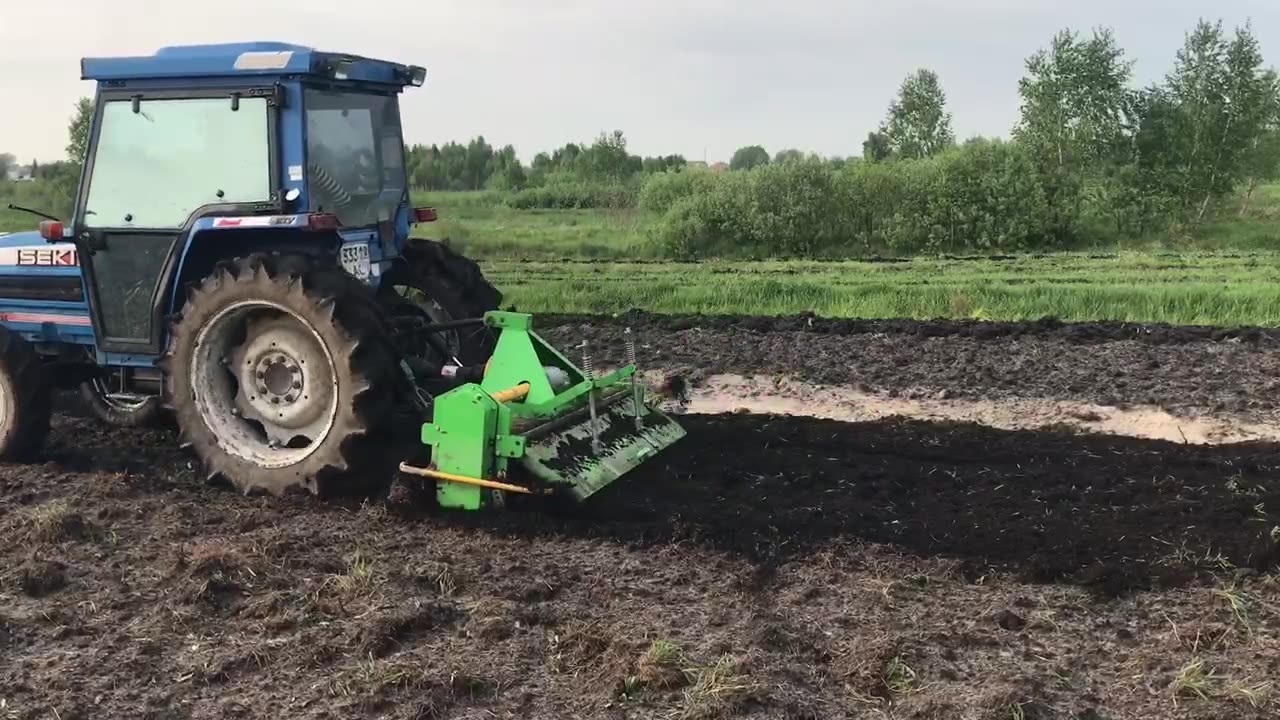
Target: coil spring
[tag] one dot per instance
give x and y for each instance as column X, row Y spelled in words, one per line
column 588, row 364
column 329, row 186
column 631, row 346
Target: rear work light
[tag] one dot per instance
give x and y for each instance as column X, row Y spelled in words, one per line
column 424, row 214
column 51, row 230
column 323, row 221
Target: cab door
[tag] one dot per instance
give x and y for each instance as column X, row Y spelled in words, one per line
column 158, row 162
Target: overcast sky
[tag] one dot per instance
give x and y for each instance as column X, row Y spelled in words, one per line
column 698, row 77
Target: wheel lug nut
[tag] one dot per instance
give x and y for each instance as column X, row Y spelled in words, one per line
column 275, row 401
column 297, row 385
column 290, row 398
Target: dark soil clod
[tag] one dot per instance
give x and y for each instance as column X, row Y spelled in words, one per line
column 39, row 578
column 1009, row 620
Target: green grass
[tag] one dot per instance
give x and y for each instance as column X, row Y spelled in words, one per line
column 479, row 225
column 15, row 221
column 584, row 261
column 1184, row 288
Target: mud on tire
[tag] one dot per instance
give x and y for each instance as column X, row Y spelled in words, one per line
column 239, row 352
column 25, row 399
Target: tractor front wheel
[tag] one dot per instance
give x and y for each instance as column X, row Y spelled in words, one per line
column 121, row 409
column 25, row 398
column 281, row 376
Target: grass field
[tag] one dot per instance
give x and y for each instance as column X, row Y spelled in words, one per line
column 480, row 226
column 1190, row 288
column 602, row 261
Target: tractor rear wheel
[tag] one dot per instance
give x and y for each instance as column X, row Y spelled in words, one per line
column 446, row 286
column 281, row 376
column 26, row 398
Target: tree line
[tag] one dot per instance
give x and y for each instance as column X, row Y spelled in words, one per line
column 478, row 165
column 1090, row 153
column 1091, row 157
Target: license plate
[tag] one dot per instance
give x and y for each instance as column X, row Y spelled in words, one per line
column 355, row 259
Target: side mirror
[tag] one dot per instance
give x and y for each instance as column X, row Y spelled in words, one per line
column 52, row 231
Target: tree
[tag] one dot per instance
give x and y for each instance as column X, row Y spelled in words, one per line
column 78, row 130
column 6, row 162
column 608, row 158
column 564, row 158
column 663, row 163
column 876, row 147
column 1261, row 162
column 918, row 124
column 749, row 157
column 506, row 172
column 1073, row 99
column 477, row 163
column 788, row 155
column 1225, row 104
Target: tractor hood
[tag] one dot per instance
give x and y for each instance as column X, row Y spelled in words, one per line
column 29, row 237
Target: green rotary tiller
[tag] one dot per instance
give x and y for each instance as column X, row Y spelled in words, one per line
column 537, row 424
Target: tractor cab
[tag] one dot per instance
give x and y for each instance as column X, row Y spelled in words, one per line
column 197, row 149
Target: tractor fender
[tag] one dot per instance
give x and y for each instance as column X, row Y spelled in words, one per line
column 205, row 247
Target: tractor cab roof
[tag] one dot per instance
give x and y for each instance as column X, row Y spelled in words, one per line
column 249, row 59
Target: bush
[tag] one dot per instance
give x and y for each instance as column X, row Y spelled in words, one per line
column 663, row 190
column 773, row 210
column 565, row 192
column 54, row 195
column 989, row 198
column 979, row 198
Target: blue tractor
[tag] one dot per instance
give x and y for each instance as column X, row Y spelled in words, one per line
column 239, row 260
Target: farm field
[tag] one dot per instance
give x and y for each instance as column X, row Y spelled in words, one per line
column 604, row 261
column 1183, row 288
column 482, row 225
column 917, row 565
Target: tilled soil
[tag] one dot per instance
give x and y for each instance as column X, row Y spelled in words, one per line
column 1186, row 370
column 764, row 567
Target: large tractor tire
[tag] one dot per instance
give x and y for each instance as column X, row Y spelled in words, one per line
column 26, row 399
column 445, row 286
column 281, row 376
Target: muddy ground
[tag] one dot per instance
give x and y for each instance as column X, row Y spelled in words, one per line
column 766, row 567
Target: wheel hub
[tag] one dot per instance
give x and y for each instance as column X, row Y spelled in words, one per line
column 279, row 379
column 276, row 386
column 274, row 397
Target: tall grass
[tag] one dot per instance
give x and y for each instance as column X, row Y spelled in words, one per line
column 1192, row 288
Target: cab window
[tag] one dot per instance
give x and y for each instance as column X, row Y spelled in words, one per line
column 155, row 167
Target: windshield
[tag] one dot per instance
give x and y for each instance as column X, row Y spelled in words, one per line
column 155, row 167
column 355, row 157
